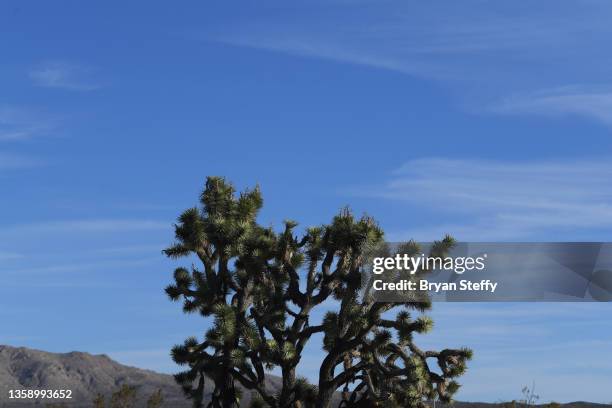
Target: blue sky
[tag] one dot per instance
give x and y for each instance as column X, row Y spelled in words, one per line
column 489, row 121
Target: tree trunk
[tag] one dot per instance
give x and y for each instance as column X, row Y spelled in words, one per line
column 326, row 388
column 288, row 384
column 325, row 397
column 228, row 393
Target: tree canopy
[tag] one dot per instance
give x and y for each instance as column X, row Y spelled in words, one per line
column 259, row 287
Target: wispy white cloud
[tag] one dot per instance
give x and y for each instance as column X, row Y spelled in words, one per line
column 483, row 51
column 40, row 271
column 15, row 135
column 45, row 255
column 417, row 40
column 504, row 200
column 333, row 52
column 79, row 267
column 131, row 249
column 64, row 75
column 9, row 256
column 93, row 226
column 16, row 161
column 399, row 37
column 590, row 102
column 17, row 124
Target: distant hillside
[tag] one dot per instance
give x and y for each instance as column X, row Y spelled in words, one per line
column 83, row 373
column 87, row 375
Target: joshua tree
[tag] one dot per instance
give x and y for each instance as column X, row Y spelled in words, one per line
column 125, row 397
column 216, row 234
column 98, row 401
column 156, row 400
column 260, row 287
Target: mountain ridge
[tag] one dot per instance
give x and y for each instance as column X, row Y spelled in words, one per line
column 87, row 374
column 83, row 373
